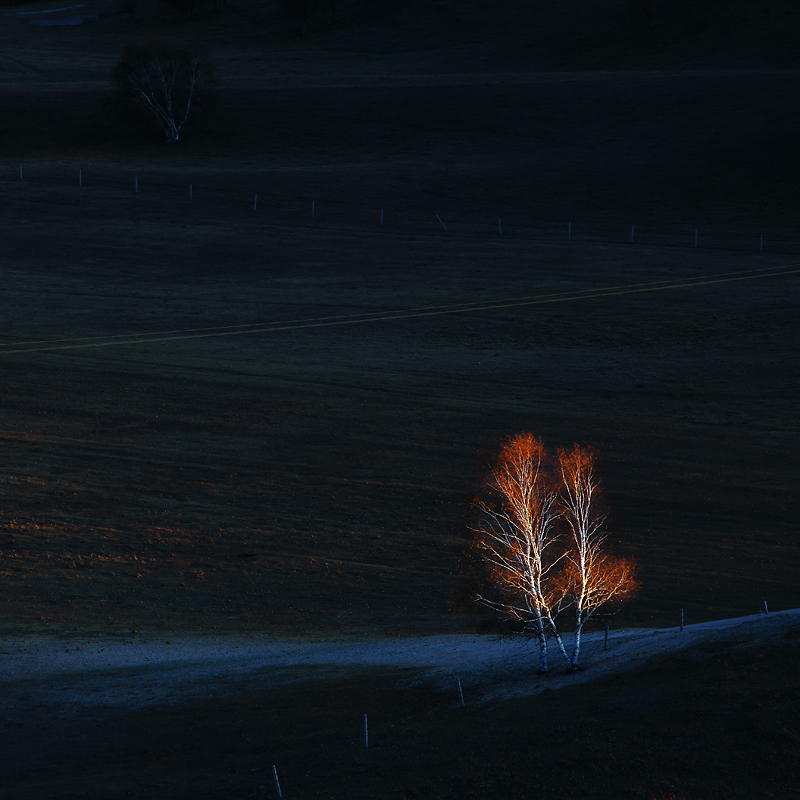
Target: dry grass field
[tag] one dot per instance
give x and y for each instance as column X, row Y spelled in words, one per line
column 216, row 419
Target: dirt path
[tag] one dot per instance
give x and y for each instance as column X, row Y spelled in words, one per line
column 138, row 673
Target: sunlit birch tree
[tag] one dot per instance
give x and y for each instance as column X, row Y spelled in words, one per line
column 542, row 545
column 592, row 577
column 517, row 533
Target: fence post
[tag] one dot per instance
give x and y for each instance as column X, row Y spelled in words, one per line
column 277, row 785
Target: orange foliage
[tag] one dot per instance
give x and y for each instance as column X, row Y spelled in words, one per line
column 609, row 581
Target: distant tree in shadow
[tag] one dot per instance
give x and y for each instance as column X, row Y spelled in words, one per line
column 538, row 546
column 129, row 7
column 163, row 83
column 194, row 9
column 308, row 12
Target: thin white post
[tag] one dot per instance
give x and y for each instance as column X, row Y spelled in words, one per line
column 190, row 191
column 695, row 239
column 499, row 227
column 440, row 221
column 80, row 177
column 277, row 785
column 366, row 732
column 681, row 620
column 136, row 184
column 631, row 232
column 381, row 216
column 460, row 693
column 255, row 201
column 569, row 230
column 312, row 209
column 766, row 610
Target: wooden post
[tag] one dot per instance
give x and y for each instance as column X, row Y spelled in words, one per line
column 277, row 785
column 681, row 620
column 366, row 732
column 460, row 693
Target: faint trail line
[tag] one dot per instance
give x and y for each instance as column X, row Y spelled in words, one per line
column 366, row 315
column 430, row 311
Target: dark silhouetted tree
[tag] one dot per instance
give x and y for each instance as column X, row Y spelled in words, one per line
column 165, row 83
column 307, row 12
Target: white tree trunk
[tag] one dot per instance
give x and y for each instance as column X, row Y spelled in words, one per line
column 560, row 642
column 576, row 650
column 541, row 635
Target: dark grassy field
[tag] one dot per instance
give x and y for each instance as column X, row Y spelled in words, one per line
column 165, row 469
